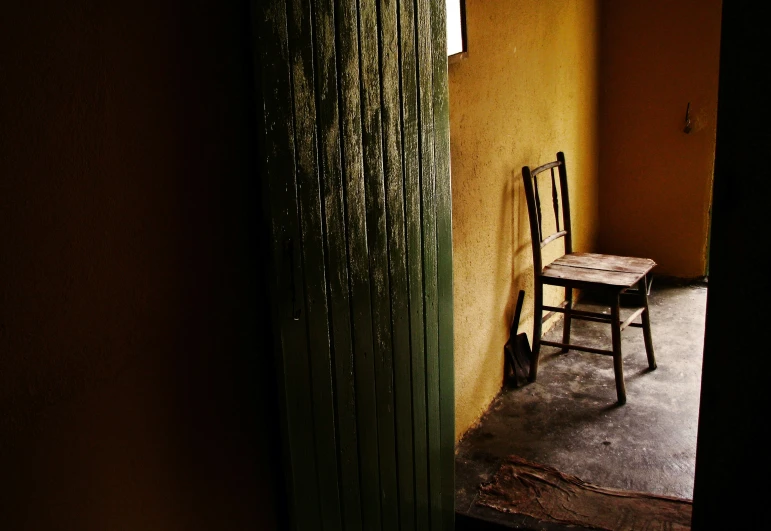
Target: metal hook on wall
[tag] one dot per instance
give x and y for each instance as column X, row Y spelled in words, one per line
column 688, row 127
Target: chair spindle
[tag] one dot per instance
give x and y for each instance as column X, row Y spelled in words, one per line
column 538, row 207
column 555, row 200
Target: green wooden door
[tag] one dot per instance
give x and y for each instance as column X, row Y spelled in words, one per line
column 355, row 133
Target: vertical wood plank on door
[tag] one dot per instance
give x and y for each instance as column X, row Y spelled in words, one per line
column 377, row 237
column 316, row 315
column 444, row 265
column 414, row 233
column 337, row 259
column 394, row 178
column 356, row 219
column 279, row 159
column 428, row 194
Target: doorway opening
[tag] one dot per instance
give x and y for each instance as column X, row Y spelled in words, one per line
column 609, row 84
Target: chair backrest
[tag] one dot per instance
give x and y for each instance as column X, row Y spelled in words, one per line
column 535, row 215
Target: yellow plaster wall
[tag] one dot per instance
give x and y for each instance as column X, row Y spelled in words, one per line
column 655, row 180
column 527, row 90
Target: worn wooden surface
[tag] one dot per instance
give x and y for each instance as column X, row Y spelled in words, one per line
column 618, row 362
column 646, row 323
column 589, row 268
column 414, row 240
column 580, row 275
column 377, row 240
column 567, row 346
column 356, row 135
column 358, row 270
column 553, row 237
column 441, row 120
column 400, row 325
column 428, row 188
column 591, row 316
column 544, row 493
column 608, row 262
column 331, row 177
column 563, row 173
column 628, row 321
column 549, row 165
column 535, row 239
column 555, row 202
column 293, row 366
column 311, row 238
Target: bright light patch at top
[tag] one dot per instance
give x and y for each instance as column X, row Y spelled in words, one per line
column 454, row 29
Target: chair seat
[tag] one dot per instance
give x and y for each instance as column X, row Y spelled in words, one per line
column 586, row 269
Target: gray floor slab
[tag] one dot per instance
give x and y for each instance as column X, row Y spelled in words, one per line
column 568, row 418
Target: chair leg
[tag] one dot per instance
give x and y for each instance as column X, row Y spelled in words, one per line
column 618, row 368
column 537, row 328
column 646, row 322
column 566, row 322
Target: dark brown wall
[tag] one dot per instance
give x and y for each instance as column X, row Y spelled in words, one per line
column 132, row 365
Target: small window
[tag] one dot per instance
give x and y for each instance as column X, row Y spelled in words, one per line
column 456, row 28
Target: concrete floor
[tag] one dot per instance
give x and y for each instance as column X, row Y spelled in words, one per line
column 569, row 418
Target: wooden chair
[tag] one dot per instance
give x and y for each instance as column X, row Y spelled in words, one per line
column 613, row 275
